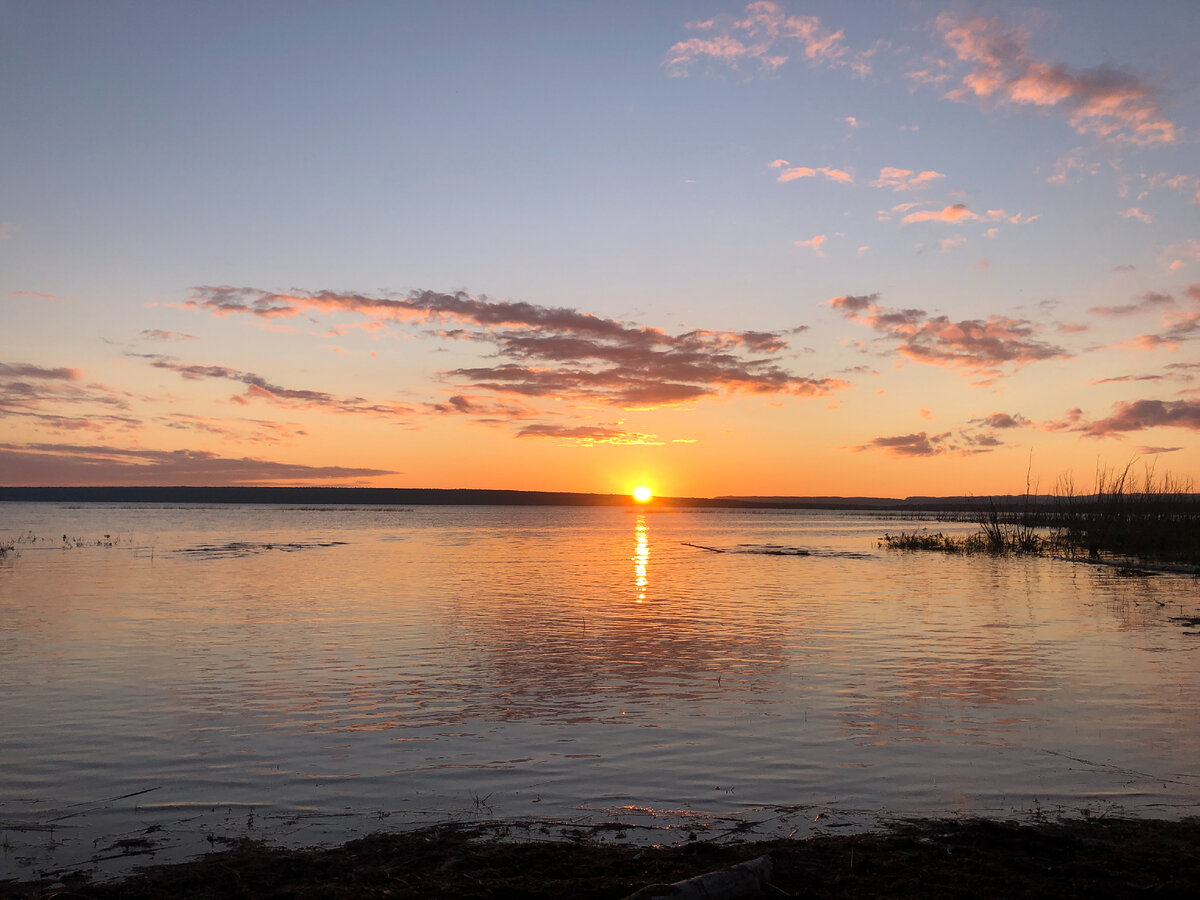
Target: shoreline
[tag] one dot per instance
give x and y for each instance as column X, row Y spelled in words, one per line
column 918, row 857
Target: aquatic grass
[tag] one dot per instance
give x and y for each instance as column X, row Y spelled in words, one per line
column 923, row 540
column 1154, row 518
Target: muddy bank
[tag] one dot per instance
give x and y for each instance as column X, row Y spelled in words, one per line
column 978, row 858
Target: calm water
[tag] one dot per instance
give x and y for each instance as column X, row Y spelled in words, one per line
column 305, row 675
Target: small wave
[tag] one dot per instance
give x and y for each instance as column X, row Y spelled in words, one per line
column 250, row 548
column 779, row 550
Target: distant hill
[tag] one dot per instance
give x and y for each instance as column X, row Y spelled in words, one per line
column 351, row 496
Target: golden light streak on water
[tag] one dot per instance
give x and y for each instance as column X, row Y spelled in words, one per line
column 641, row 558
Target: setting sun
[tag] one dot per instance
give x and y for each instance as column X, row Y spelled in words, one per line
column 641, row 493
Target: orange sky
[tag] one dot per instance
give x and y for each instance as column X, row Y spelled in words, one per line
column 764, row 248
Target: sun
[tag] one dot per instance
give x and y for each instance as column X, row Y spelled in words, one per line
column 641, row 493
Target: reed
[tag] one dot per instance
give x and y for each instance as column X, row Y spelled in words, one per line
column 1127, row 516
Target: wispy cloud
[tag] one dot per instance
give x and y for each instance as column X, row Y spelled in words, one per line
column 977, row 345
column 793, row 173
column 259, row 388
column 917, row 444
column 556, row 352
column 71, row 464
column 40, row 393
column 1177, row 326
column 1150, row 301
column 1137, row 215
column 813, row 243
column 1137, row 415
column 588, row 435
column 1176, row 256
column 764, row 37
column 904, row 179
column 157, row 334
column 1104, row 101
column 34, row 295
column 958, row 212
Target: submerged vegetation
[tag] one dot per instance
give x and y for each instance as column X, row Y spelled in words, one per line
column 1154, row 519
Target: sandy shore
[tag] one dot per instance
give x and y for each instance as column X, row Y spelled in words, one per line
column 978, row 858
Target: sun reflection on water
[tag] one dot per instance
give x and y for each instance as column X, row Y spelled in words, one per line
column 641, row 558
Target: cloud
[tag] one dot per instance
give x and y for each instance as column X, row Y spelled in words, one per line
column 958, row 212
column 52, row 298
column 792, row 173
column 1002, row 420
column 75, row 464
column 8, row 230
column 764, row 37
column 25, row 370
column 1134, row 213
column 258, row 388
column 904, row 179
column 1179, row 326
column 951, row 243
column 588, row 435
column 1188, row 184
column 978, row 345
column 1176, row 256
column 235, row 429
column 464, row 405
column 1150, row 301
column 1137, row 415
column 1105, row 102
column 39, row 394
column 919, row 444
column 1125, row 379
column 1073, row 163
column 157, row 334
column 954, row 213
column 1151, row 451
column 554, row 352
column 814, row 243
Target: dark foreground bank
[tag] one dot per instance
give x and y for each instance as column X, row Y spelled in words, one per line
column 977, row 858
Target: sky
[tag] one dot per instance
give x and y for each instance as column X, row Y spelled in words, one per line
column 719, row 248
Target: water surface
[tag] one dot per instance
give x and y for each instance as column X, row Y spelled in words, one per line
column 305, row 675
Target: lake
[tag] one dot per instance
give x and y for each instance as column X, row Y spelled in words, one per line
column 174, row 677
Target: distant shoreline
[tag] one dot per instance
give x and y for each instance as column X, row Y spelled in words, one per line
column 476, row 497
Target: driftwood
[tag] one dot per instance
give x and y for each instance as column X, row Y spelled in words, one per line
column 746, row 879
column 702, row 547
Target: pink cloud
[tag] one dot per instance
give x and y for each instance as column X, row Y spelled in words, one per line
column 958, row 212
column 954, row 213
column 552, row 351
column 1134, row 213
column 258, row 388
column 976, row 345
column 588, row 435
column 75, row 464
column 765, row 35
column 1176, row 256
column 1103, row 101
column 797, row 172
column 814, row 243
column 33, row 295
column 157, row 334
column 1150, row 301
column 904, row 179
column 1137, row 415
